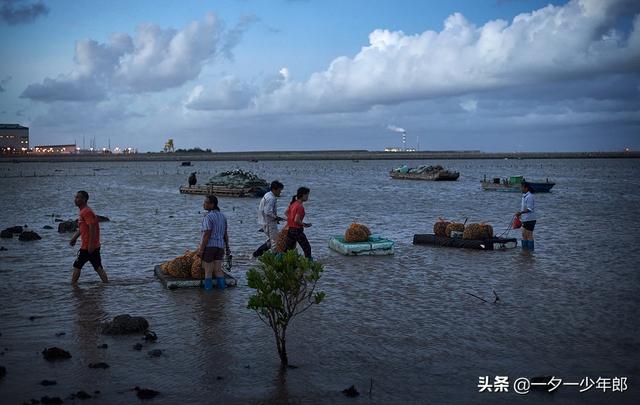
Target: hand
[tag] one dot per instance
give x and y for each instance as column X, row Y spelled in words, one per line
column 90, row 249
column 72, row 242
column 200, row 252
column 518, row 213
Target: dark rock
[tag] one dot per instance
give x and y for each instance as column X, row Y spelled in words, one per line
column 219, row 378
column 137, row 346
column 103, row 346
column 96, row 392
column 351, row 391
column 47, row 383
column 125, row 324
column 150, row 336
column 34, row 317
column 155, row 353
column 47, row 227
column 55, row 353
column 58, row 220
column 3, row 371
column 68, row 226
column 6, row 234
column 27, row 236
column 60, row 334
column 170, row 216
column 145, row 393
column 51, row 400
column 15, row 229
column 103, row 219
column 2, row 248
column 80, row 395
column 99, row 365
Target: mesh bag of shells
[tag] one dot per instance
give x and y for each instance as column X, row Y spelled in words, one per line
column 281, row 240
column 357, row 233
column 180, row 266
column 439, row 228
column 196, row 266
column 478, row 232
column 453, row 226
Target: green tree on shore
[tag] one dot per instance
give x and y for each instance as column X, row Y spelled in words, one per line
column 285, row 287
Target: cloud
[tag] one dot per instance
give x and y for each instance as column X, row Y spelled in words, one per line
column 469, row 105
column 155, row 59
column 14, row 12
column 235, row 34
column 228, row 94
column 554, row 43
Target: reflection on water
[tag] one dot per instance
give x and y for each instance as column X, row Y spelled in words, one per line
column 407, row 322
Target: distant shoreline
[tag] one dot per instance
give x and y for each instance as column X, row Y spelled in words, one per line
column 315, row 155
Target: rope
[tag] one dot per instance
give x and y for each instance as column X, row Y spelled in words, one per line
column 508, row 227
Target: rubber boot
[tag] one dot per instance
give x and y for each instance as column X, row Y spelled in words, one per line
column 531, row 246
column 221, row 283
column 525, row 244
column 208, row 284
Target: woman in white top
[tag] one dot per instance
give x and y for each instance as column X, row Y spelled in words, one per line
column 527, row 215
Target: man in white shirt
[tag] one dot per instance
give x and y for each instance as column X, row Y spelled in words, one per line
column 527, row 215
column 268, row 217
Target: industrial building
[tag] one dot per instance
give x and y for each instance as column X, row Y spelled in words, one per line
column 55, row 149
column 14, row 138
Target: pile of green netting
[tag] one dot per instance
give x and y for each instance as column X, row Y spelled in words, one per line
column 237, row 179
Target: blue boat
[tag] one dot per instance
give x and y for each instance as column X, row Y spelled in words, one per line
column 512, row 184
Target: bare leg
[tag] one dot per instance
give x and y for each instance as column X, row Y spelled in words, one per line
column 102, row 274
column 75, row 276
column 208, row 269
column 217, row 268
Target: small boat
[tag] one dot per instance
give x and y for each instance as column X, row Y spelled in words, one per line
column 234, row 183
column 512, row 184
column 375, row 246
column 433, row 173
column 185, row 164
column 494, row 243
column 172, row 283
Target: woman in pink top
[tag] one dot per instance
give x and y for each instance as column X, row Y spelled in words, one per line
column 295, row 217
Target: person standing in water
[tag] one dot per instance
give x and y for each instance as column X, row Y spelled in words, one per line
column 89, row 229
column 214, row 242
column 295, row 216
column 268, row 217
column 527, row 215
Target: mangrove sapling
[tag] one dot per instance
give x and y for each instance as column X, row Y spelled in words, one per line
column 285, row 287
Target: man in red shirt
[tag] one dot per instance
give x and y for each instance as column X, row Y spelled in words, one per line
column 89, row 229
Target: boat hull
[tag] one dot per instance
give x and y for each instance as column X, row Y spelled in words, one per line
column 544, row 187
column 489, row 244
column 438, row 176
column 223, row 191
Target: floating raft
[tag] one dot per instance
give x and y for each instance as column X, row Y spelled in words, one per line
column 222, row 191
column 375, row 246
column 174, row 282
column 489, row 244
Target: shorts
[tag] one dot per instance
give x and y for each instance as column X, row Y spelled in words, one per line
column 84, row 256
column 212, row 253
column 529, row 225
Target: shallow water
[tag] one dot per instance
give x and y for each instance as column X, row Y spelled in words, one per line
column 403, row 325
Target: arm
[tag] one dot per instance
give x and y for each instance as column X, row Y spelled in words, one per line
column 203, row 243
column 298, row 221
column 74, row 238
column 227, row 249
column 269, row 209
column 92, row 238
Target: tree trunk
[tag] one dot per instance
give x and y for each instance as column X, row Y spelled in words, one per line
column 282, row 351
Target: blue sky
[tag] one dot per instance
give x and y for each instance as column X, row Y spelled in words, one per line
column 493, row 75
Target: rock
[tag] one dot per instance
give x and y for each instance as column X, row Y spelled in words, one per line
column 6, row 234
column 101, row 365
column 125, row 324
column 58, row 220
column 219, row 378
column 51, row 400
column 351, row 391
column 60, row 334
column 145, row 393
column 103, row 219
column 68, row 226
column 103, row 346
column 47, row 227
column 2, row 248
column 27, row 236
column 80, row 395
column 55, row 353
column 155, row 353
column 16, row 229
column 137, row 346
column 47, row 383
column 150, row 336
column 3, row 371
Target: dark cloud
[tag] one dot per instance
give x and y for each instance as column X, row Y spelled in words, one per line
column 64, row 90
column 14, row 12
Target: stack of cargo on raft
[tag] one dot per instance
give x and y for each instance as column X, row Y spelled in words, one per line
column 473, row 236
column 187, row 271
column 424, row 172
column 232, row 183
column 358, row 241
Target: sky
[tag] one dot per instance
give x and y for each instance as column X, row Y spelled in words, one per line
column 245, row 75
